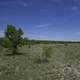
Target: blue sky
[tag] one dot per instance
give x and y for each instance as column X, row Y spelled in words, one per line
column 42, row 19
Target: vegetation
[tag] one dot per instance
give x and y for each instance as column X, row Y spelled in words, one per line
column 60, row 60
column 4, row 42
column 46, row 55
column 64, row 63
column 14, row 36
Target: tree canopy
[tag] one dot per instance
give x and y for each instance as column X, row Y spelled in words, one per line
column 14, row 35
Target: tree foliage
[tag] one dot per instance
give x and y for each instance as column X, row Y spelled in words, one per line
column 14, row 35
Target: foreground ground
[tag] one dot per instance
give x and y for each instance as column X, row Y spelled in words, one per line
column 64, row 63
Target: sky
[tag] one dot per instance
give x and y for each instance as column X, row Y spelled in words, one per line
column 42, row 19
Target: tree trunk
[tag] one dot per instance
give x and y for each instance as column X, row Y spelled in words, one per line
column 14, row 50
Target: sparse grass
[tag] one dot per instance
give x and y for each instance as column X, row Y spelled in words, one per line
column 46, row 54
column 64, row 63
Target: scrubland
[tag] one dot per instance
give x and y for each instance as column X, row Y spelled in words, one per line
column 62, row 62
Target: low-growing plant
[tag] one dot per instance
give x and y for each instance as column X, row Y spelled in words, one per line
column 65, row 44
column 4, row 42
column 47, row 52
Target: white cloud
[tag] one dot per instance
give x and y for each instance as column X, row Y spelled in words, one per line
column 72, row 6
column 44, row 10
column 77, row 33
column 57, row 1
column 38, row 36
column 42, row 25
column 20, row 3
column 75, row 8
column 23, row 3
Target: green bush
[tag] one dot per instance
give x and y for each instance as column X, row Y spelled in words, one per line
column 4, row 42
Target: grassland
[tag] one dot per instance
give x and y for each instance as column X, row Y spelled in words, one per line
column 64, row 63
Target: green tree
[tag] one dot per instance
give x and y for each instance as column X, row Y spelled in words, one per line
column 14, row 35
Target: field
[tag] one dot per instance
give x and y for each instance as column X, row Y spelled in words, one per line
column 64, row 63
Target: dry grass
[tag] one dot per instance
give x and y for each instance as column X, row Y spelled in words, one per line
column 64, row 63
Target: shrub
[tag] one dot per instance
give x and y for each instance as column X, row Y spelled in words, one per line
column 4, row 42
column 47, row 52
